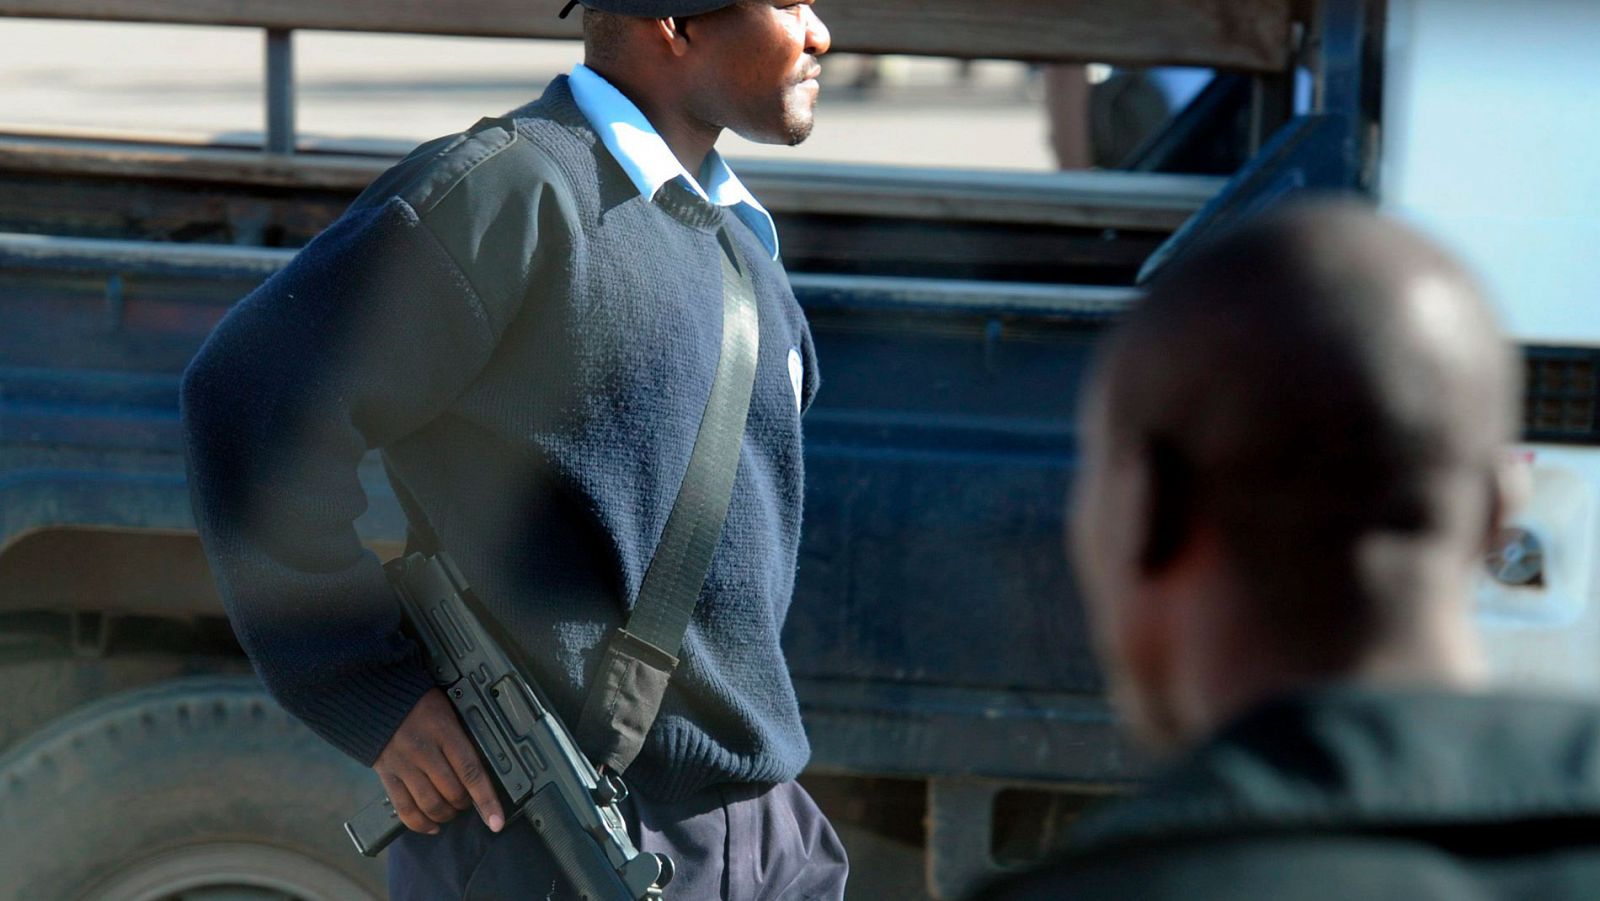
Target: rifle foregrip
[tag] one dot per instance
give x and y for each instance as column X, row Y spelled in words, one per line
column 374, row 827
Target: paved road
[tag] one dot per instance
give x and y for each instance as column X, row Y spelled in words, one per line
column 202, row 81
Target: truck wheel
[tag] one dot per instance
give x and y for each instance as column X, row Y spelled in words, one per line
column 193, row 790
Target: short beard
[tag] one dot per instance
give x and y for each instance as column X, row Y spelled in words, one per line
column 797, row 132
column 790, row 132
column 792, row 126
column 798, row 122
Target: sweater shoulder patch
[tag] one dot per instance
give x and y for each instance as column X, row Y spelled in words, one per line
column 456, row 160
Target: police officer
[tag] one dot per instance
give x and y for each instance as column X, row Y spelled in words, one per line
column 1294, row 461
column 526, row 319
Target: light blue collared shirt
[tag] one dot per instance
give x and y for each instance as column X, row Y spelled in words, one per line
column 650, row 163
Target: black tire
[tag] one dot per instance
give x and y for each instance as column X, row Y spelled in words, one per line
column 191, row 790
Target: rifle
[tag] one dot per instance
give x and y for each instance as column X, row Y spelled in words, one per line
column 532, row 757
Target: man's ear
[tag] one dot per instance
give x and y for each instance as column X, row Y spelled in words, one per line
column 1510, row 486
column 1147, row 642
column 1167, row 505
column 671, row 31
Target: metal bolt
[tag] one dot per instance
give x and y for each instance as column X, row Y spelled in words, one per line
column 1516, row 558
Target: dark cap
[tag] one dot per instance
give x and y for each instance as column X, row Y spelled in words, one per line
column 651, row 9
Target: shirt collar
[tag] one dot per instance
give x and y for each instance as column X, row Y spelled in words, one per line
column 650, row 164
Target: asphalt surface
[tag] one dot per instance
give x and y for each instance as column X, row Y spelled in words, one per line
column 199, row 82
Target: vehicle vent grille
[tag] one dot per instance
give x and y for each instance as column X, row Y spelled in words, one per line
column 1562, row 401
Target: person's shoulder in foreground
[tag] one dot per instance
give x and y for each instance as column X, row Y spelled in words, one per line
column 1352, row 792
column 1294, row 457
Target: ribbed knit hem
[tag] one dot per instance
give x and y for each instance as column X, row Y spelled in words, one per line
column 680, row 203
column 680, row 761
column 360, row 713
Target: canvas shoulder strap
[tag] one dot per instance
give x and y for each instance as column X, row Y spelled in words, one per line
column 632, row 678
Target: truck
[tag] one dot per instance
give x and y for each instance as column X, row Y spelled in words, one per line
column 936, row 641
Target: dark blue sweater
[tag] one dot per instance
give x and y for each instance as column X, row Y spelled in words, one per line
column 532, row 343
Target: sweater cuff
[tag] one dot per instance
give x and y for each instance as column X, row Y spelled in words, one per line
column 362, row 712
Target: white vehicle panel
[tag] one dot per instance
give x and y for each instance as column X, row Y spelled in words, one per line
column 1491, row 141
column 1548, row 634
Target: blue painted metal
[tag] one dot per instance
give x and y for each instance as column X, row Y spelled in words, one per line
column 1307, row 154
column 946, row 426
column 935, row 631
column 200, row 263
column 1345, row 89
column 1324, row 151
column 1194, row 127
column 280, row 134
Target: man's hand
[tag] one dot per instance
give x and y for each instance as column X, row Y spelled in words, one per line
column 431, row 770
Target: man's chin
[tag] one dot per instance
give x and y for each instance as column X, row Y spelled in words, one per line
column 790, row 134
column 798, row 134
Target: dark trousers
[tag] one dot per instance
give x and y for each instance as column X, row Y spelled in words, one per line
column 730, row 843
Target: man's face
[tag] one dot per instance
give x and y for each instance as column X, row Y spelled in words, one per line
column 1107, row 519
column 761, row 68
column 1095, row 529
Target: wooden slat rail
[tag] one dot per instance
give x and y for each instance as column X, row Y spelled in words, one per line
column 1245, row 35
column 1085, row 200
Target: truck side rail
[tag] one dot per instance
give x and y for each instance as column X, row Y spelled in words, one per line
column 1247, row 35
column 1072, row 199
column 1243, row 35
column 116, row 259
column 81, row 418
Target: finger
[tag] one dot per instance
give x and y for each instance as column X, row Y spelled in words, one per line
column 404, row 807
column 442, row 774
column 424, row 792
column 468, row 767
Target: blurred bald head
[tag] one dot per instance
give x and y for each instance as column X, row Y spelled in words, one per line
column 1294, row 448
